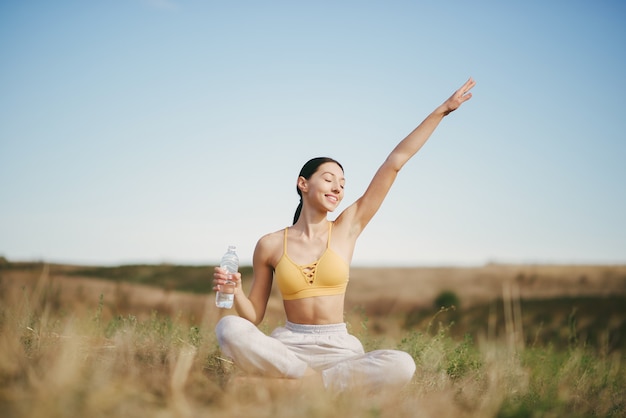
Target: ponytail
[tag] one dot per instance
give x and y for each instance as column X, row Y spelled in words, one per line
column 298, row 210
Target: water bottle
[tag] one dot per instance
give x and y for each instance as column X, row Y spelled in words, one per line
column 226, row 293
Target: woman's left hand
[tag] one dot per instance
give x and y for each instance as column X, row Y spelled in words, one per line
column 459, row 97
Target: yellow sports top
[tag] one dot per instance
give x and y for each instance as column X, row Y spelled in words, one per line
column 328, row 275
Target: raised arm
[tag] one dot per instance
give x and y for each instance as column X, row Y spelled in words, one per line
column 362, row 211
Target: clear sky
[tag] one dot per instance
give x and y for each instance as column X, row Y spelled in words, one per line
column 163, row 130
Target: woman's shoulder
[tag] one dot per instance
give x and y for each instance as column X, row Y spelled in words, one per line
column 272, row 237
column 272, row 240
column 270, row 246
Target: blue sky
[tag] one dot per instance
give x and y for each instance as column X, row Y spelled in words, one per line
column 163, row 130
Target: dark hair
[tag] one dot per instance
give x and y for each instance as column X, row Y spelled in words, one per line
column 307, row 171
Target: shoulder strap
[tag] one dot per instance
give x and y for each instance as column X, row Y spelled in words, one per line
column 285, row 241
column 330, row 229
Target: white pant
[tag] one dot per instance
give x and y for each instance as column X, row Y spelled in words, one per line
column 328, row 349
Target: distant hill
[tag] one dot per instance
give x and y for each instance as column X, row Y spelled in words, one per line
column 544, row 304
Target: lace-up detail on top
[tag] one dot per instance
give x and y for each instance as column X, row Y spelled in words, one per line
column 309, row 272
column 328, row 275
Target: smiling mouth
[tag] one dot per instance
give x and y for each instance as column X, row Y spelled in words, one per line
column 332, row 198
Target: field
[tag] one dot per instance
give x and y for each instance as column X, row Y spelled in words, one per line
column 491, row 341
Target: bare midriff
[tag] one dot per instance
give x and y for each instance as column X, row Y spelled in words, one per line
column 318, row 310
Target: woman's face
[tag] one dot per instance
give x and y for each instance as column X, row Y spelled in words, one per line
column 325, row 187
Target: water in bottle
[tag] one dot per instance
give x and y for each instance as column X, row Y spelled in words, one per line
column 226, row 293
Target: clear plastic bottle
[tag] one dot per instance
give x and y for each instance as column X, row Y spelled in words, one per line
column 226, row 294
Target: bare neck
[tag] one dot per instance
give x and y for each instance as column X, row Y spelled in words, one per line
column 311, row 226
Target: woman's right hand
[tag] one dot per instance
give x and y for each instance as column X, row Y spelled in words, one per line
column 221, row 276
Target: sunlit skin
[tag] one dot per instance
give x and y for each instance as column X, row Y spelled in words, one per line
column 307, row 238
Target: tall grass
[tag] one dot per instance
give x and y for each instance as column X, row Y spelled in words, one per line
column 54, row 363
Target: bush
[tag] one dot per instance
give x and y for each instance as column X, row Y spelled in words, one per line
column 447, row 299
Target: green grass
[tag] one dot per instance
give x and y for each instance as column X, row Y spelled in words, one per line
column 598, row 322
column 123, row 366
column 54, row 363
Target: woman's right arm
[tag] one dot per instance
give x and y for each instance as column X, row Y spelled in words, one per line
column 252, row 307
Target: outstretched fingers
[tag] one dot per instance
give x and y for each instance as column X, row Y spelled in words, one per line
column 460, row 96
column 465, row 88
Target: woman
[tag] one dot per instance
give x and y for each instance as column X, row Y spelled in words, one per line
column 310, row 263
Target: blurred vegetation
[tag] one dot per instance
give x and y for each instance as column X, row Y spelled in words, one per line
column 556, row 357
column 598, row 322
column 447, row 299
column 195, row 279
column 162, row 365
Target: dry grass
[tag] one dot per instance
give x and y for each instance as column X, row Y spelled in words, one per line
column 104, row 349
